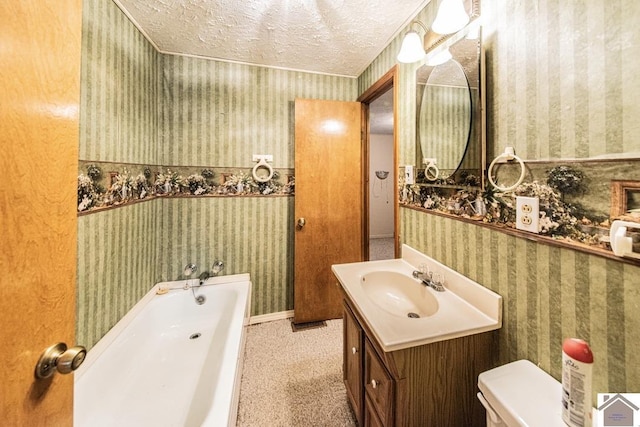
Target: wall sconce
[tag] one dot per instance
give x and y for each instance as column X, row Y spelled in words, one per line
column 412, row 49
column 451, row 17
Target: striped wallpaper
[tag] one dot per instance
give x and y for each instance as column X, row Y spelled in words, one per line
column 118, row 123
column 118, row 114
column 117, row 253
column 220, row 114
column 563, row 77
column 548, row 294
column 250, row 234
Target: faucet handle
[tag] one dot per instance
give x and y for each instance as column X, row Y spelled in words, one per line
column 437, row 281
column 217, row 267
column 190, row 269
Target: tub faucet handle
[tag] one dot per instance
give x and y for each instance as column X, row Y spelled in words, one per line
column 217, row 267
column 190, row 269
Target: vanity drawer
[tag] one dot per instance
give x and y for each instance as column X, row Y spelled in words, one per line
column 378, row 386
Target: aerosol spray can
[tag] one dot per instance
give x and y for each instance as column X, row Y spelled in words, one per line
column 577, row 371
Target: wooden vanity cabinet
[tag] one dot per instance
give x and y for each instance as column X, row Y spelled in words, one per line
column 352, row 369
column 428, row 385
column 370, row 417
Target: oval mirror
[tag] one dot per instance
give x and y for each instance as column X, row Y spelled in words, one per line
column 444, row 116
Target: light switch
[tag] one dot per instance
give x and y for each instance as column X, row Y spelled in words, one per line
column 408, row 175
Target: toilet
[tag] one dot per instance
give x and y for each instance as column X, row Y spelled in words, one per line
column 520, row 394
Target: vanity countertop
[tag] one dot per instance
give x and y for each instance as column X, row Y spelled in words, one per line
column 464, row 308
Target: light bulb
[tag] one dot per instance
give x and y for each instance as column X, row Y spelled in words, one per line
column 411, row 49
column 451, row 17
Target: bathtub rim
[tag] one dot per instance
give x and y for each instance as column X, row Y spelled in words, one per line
column 103, row 343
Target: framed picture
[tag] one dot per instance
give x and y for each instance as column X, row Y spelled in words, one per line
column 625, row 200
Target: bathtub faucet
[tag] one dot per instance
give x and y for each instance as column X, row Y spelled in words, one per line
column 204, row 276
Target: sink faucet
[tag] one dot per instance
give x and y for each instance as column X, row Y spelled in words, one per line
column 427, row 280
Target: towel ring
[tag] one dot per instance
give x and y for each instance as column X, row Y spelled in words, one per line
column 262, row 163
column 431, row 172
column 509, row 154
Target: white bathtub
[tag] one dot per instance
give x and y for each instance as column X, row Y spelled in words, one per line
column 149, row 371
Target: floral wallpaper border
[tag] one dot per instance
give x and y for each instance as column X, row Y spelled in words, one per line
column 128, row 183
column 559, row 219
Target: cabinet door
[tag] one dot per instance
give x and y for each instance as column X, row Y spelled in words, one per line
column 379, row 386
column 352, row 362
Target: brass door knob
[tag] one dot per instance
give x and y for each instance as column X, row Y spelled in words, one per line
column 59, row 357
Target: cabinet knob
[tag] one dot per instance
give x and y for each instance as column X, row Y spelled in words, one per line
column 354, row 350
column 374, row 383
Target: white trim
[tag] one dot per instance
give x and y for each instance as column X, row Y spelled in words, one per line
column 211, row 58
column 263, row 318
column 253, row 64
column 135, row 24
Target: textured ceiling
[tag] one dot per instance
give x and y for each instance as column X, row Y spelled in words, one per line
column 340, row 37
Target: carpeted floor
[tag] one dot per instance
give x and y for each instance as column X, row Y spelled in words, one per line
column 381, row 249
column 293, row 379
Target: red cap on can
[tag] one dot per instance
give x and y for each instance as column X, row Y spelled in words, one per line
column 577, row 349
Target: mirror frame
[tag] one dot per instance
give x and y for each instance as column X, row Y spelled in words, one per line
column 423, row 125
column 478, row 118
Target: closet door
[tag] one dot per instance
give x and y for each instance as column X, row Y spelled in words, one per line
column 328, row 203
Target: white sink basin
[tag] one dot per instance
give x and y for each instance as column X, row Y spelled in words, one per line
column 399, row 294
column 385, row 293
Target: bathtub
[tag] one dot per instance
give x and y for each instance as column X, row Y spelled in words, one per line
column 169, row 361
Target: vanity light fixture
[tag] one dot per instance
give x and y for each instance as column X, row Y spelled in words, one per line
column 412, row 49
column 451, row 17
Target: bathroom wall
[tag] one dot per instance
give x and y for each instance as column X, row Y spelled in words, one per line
column 143, row 108
column 251, row 234
column 116, row 266
column 119, row 111
column 220, row 114
column 555, row 88
column 118, row 123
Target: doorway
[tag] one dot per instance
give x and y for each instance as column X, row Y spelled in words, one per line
column 381, row 169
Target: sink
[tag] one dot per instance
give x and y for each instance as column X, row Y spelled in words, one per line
column 399, row 294
column 401, row 312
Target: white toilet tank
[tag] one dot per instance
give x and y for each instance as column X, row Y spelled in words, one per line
column 520, row 394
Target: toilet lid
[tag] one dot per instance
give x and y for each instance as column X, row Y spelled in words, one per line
column 523, row 394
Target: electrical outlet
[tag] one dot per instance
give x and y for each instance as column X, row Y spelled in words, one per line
column 408, row 175
column 528, row 214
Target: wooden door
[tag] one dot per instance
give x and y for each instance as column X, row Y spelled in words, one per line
column 40, row 91
column 328, row 168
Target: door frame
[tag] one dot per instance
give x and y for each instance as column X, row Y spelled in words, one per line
column 386, row 82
